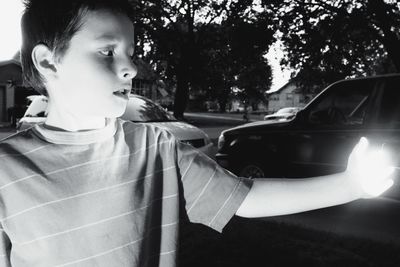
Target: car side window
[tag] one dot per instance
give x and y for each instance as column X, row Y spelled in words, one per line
column 389, row 110
column 343, row 104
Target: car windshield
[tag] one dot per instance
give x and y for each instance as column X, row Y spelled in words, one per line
column 143, row 110
column 37, row 108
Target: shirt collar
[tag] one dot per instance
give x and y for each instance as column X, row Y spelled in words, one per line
column 76, row 138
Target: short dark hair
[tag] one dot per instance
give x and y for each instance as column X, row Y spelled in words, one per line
column 53, row 23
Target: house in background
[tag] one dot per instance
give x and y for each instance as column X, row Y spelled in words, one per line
column 288, row 95
column 12, row 91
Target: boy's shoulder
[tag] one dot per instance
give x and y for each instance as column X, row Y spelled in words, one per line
column 146, row 138
column 17, row 151
column 23, row 139
column 145, row 130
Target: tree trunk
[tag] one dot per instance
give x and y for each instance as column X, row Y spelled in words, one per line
column 181, row 95
column 222, row 104
column 184, row 73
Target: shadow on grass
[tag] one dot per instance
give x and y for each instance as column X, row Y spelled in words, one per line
column 249, row 242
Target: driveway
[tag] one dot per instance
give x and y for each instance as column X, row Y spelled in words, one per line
column 376, row 219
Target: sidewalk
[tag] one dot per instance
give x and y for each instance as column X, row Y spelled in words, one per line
column 226, row 116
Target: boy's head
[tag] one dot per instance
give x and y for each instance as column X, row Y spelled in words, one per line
column 53, row 23
column 79, row 53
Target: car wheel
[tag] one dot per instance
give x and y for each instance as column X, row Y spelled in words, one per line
column 251, row 170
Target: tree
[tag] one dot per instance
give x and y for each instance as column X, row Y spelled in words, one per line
column 232, row 56
column 329, row 40
column 249, row 43
column 179, row 34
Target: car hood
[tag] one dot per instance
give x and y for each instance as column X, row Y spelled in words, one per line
column 182, row 130
column 259, row 126
column 280, row 115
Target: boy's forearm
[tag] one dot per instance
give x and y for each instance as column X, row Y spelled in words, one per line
column 272, row 197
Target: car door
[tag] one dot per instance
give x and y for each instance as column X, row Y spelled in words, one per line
column 329, row 128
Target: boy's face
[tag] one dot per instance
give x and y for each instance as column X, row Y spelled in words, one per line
column 96, row 68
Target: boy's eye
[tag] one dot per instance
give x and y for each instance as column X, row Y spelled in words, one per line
column 107, row 52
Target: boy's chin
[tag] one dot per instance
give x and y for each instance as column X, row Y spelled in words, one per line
column 115, row 113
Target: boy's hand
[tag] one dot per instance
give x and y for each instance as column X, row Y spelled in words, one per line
column 369, row 169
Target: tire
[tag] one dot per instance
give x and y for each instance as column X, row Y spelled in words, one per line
column 251, row 170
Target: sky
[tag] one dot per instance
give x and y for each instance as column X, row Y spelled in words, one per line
column 10, row 15
column 280, row 75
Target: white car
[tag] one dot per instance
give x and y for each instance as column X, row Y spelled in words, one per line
column 283, row 114
column 142, row 109
column 139, row 109
column 36, row 112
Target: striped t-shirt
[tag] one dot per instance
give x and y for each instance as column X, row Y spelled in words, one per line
column 108, row 197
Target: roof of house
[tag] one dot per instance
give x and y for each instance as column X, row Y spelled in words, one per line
column 10, row 70
column 10, row 61
column 291, row 82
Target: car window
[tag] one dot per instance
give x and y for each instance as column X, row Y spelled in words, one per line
column 389, row 110
column 143, row 110
column 37, row 108
column 344, row 104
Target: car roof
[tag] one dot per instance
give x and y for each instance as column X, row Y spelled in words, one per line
column 350, row 80
column 381, row 76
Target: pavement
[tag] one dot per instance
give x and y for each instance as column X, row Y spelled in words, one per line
column 226, row 116
column 376, row 219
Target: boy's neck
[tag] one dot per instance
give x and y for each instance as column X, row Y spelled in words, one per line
column 59, row 119
column 72, row 124
column 75, row 126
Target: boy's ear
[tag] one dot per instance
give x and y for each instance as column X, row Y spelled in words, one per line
column 43, row 60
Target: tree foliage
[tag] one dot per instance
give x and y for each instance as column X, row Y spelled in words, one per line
column 232, row 56
column 210, row 45
column 328, row 40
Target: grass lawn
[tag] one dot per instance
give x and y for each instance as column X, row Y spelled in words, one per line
column 250, row 242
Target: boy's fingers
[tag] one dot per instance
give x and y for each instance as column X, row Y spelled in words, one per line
column 389, row 171
column 359, row 149
column 362, row 145
column 377, row 189
column 385, row 186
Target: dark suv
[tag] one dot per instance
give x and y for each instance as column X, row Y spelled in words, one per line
column 320, row 138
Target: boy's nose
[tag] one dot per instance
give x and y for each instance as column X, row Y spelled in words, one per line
column 129, row 71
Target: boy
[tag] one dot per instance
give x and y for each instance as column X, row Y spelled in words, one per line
column 86, row 189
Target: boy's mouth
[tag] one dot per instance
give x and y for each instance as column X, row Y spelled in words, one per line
column 122, row 93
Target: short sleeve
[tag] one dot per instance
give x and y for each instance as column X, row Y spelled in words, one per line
column 5, row 248
column 212, row 194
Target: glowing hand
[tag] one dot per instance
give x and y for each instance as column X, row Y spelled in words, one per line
column 369, row 169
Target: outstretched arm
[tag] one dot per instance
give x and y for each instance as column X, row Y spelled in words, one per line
column 368, row 174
